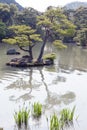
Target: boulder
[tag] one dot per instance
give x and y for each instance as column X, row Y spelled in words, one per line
column 49, row 61
column 12, row 52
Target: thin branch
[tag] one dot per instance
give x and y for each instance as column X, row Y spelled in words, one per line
column 21, row 47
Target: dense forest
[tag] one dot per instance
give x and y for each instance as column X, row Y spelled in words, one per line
column 10, row 15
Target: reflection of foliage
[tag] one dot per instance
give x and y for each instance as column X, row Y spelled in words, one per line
column 25, row 97
column 35, row 84
column 59, row 79
column 54, row 99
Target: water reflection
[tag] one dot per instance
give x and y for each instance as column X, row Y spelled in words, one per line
column 33, row 80
column 53, row 98
column 55, row 86
column 72, row 58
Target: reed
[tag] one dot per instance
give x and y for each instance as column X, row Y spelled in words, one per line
column 21, row 117
column 25, row 113
column 54, row 123
column 67, row 116
column 37, row 109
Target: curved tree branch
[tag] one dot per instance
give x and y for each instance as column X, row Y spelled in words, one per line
column 21, row 47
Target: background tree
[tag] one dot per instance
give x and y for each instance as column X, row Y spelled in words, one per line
column 25, row 37
column 80, row 20
column 81, row 37
column 55, row 25
column 8, row 13
column 13, row 14
column 27, row 17
column 4, row 13
column 2, row 30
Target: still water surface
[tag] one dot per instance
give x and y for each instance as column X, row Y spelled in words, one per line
column 62, row 85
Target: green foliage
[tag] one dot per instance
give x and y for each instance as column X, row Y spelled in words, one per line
column 59, row 44
column 80, row 17
column 66, row 118
column 24, row 36
column 44, row 21
column 2, row 30
column 10, row 40
column 21, row 117
column 26, row 33
column 51, row 56
column 22, row 29
column 55, row 26
column 4, row 12
column 37, row 109
column 7, row 13
column 28, row 17
column 81, row 37
column 54, row 122
column 55, row 20
column 67, row 115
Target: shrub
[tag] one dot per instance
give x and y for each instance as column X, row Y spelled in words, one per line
column 51, row 56
column 59, row 44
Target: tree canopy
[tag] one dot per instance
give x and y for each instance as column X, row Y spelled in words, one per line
column 24, row 36
column 54, row 25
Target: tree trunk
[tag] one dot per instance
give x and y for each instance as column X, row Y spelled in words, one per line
column 30, row 54
column 39, row 59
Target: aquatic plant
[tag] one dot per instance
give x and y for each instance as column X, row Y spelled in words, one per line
column 65, row 119
column 37, row 109
column 21, row 117
column 54, row 122
column 67, row 116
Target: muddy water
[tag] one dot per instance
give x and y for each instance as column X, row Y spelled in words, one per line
column 62, row 85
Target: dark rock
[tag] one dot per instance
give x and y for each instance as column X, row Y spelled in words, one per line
column 12, row 52
column 14, row 60
column 26, row 56
column 49, row 61
column 24, row 62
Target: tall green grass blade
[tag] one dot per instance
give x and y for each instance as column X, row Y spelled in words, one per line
column 37, row 109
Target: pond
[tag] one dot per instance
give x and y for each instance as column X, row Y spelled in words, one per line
column 62, row 85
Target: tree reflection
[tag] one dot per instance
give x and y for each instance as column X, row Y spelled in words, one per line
column 53, row 98
column 36, row 79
